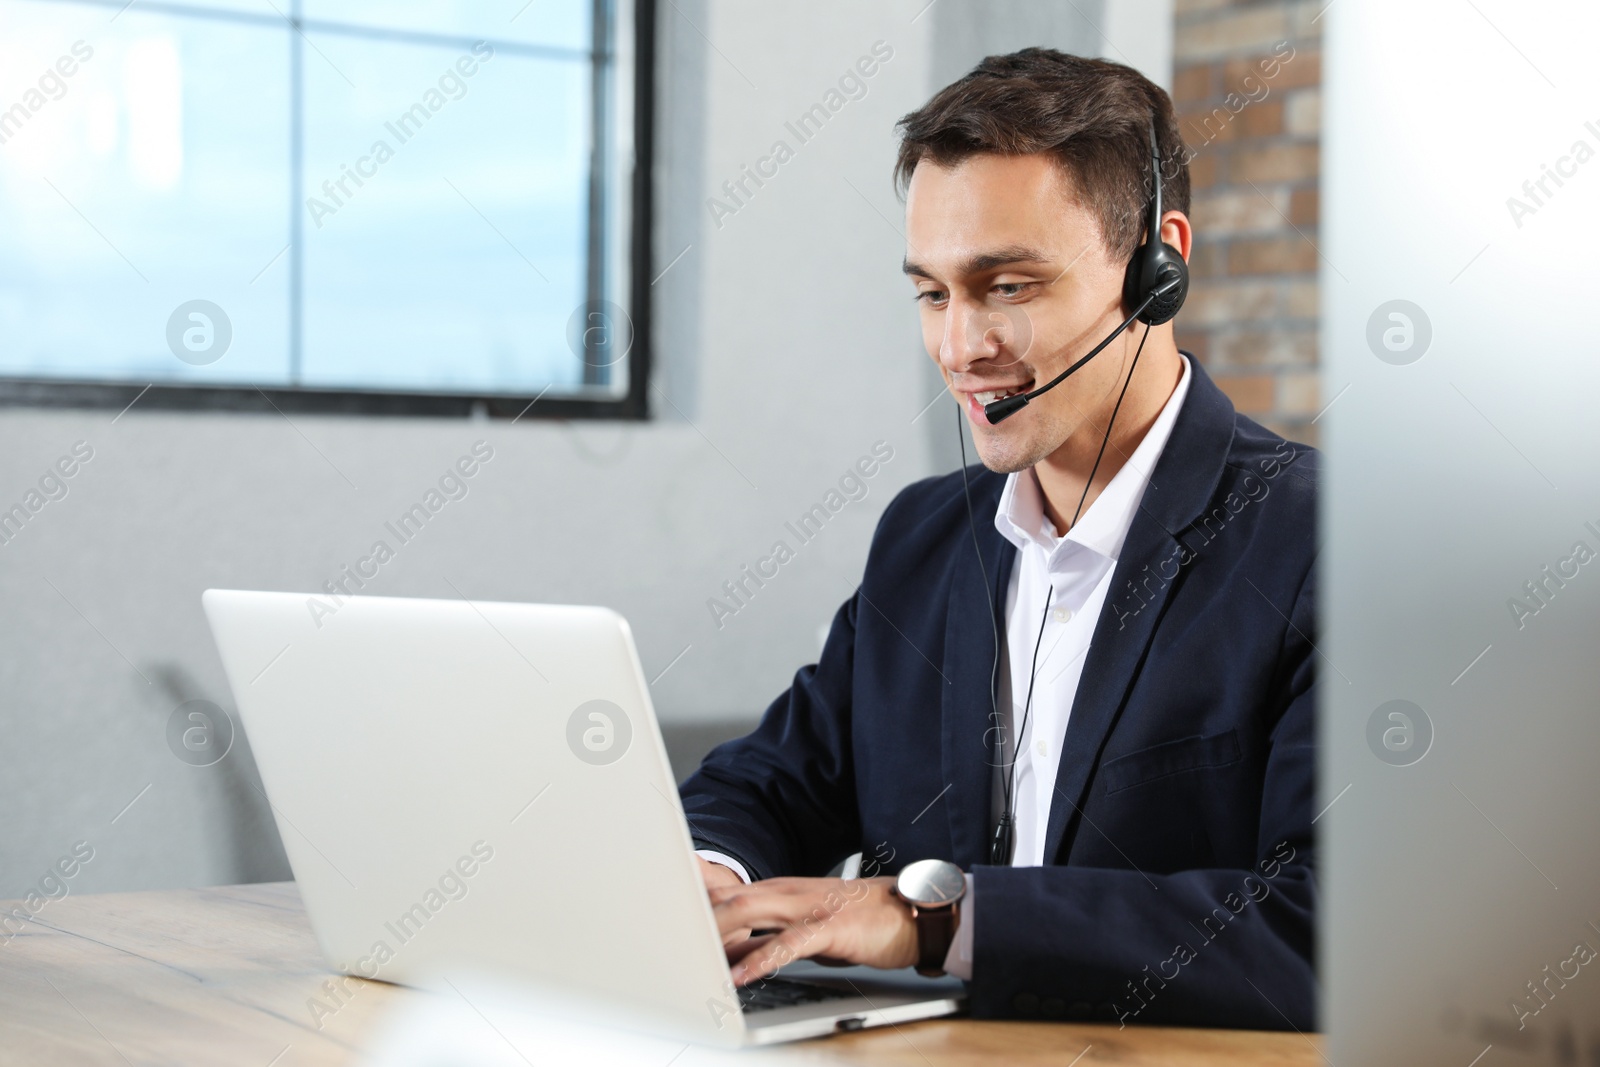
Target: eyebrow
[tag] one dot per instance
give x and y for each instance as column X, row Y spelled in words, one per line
column 982, row 261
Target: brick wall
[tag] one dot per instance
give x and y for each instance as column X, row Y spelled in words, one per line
column 1247, row 85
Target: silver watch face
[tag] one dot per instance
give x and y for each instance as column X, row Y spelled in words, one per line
column 931, row 883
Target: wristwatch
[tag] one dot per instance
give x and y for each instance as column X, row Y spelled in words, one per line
column 932, row 888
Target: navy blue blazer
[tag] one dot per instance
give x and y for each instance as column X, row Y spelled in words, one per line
column 1179, row 884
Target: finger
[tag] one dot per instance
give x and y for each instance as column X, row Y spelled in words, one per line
column 787, row 947
column 728, row 912
column 782, row 886
column 758, row 908
column 738, row 952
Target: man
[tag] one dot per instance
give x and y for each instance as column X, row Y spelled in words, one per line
column 1097, row 699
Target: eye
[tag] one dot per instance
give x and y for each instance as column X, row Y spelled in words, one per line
column 932, row 297
column 1012, row 290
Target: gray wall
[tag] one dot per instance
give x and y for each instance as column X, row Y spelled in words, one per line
column 787, row 347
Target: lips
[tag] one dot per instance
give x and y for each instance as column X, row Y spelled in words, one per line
column 989, row 396
column 977, row 401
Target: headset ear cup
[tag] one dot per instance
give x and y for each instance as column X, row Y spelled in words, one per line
column 1153, row 265
column 1166, row 265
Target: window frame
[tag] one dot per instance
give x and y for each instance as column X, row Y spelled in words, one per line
column 630, row 404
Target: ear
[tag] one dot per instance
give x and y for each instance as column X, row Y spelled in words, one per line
column 1177, row 232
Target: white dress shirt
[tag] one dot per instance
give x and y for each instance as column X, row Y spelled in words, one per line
column 1071, row 574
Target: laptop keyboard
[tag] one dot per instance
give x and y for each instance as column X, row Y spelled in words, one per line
column 786, row 993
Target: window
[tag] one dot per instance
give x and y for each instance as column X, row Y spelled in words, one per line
column 389, row 206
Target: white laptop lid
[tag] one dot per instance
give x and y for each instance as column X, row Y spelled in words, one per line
column 403, row 744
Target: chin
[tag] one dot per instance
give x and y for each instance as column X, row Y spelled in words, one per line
column 1006, row 457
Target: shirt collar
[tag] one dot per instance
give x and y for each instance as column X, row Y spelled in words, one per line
column 1103, row 528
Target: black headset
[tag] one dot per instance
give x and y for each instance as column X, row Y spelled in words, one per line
column 1157, row 279
column 1153, row 287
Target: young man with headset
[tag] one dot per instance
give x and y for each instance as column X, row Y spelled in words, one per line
column 1069, row 711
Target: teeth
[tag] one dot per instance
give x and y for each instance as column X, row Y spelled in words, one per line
column 991, row 395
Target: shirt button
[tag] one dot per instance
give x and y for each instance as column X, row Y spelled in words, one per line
column 1062, row 614
column 1044, row 749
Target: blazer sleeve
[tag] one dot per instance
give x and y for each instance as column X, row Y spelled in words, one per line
column 1228, row 948
column 782, row 799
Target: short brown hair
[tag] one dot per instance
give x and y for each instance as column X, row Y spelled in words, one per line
column 1092, row 116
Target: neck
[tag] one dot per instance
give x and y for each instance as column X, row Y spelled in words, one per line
column 1064, row 473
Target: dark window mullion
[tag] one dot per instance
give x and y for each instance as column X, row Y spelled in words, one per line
column 595, row 363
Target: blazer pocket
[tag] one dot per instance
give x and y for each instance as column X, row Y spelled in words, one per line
column 1169, row 758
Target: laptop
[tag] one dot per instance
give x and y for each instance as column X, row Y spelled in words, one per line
column 468, row 788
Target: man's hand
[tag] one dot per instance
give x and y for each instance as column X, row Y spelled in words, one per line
column 834, row 920
column 716, row 877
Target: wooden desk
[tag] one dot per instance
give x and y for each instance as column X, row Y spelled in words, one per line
column 222, row 976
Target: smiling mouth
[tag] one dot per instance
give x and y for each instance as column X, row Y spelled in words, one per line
column 989, row 396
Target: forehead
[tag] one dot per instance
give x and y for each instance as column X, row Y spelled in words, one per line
column 987, row 201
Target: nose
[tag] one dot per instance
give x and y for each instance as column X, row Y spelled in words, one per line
column 1001, row 334
column 973, row 331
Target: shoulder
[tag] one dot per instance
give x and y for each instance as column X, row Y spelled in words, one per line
column 1257, row 455
column 1264, row 506
column 942, row 499
column 930, row 514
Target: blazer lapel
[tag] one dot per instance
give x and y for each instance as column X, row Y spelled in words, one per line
column 1183, row 482
column 969, row 651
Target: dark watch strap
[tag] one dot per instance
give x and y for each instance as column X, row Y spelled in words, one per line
column 936, row 928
